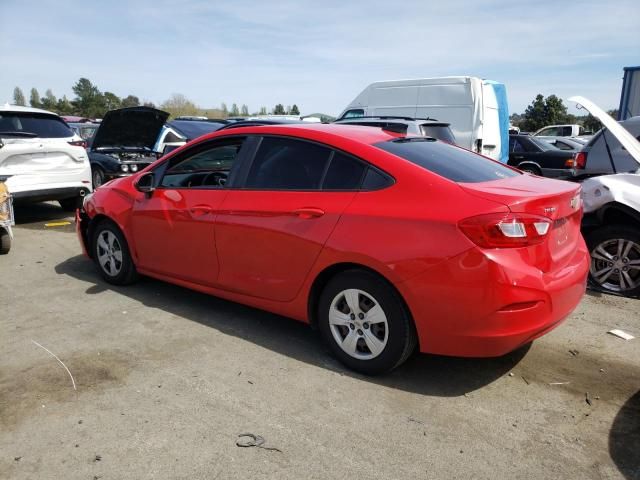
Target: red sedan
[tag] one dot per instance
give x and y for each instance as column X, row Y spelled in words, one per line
column 383, row 242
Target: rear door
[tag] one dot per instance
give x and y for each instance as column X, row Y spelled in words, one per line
column 270, row 231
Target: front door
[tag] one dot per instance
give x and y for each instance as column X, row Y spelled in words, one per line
column 173, row 228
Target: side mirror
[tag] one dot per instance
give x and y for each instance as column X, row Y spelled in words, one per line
column 146, row 183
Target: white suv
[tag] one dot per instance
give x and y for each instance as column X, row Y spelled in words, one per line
column 41, row 158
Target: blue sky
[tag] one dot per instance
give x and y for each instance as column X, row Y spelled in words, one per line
column 319, row 55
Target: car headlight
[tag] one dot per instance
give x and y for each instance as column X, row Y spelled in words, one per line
column 124, row 167
column 133, row 168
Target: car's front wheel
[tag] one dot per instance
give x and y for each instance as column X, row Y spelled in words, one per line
column 111, row 254
column 365, row 322
column 97, row 177
column 615, row 259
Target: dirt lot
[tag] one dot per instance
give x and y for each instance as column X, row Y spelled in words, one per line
column 167, row 379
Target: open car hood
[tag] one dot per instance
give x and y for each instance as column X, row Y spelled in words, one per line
column 622, row 134
column 133, row 127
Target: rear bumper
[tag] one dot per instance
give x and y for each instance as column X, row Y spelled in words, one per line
column 559, row 173
column 476, row 305
column 47, row 194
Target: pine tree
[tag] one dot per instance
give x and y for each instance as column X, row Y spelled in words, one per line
column 34, row 99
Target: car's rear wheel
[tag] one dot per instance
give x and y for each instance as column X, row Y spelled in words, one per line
column 97, row 177
column 5, row 241
column 365, row 322
column 615, row 259
column 533, row 170
column 111, row 254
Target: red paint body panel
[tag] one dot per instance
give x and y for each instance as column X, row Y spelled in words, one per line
column 266, row 248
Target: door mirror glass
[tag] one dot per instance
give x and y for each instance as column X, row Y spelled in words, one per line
column 146, row 183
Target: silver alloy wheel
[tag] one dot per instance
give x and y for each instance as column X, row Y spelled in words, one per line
column 358, row 324
column 109, row 253
column 97, row 178
column 615, row 264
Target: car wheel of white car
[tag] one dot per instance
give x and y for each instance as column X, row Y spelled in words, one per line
column 365, row 322
column 615, row 259
column 111, row 254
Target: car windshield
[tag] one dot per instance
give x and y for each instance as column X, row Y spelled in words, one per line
column 194, row 129
column 33, row 125
column 448, row 161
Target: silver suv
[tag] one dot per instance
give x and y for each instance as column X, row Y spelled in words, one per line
column 421, row 127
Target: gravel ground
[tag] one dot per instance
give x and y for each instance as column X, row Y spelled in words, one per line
column 166, row 379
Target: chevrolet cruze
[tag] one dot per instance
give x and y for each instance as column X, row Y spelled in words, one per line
column 383, row 242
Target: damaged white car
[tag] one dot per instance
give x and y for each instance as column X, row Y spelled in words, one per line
column 611, row 224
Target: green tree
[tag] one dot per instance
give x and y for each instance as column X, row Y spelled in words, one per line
column 49, row 102
column 234, row 110
column 18, row 97
column 543, row 112
column 149, row 104
column 129, row 101
column 294, row 110
column 178, row 105
column 225, row 110
column 555, row 110
column 279, row 110
column 34, row 99
column 263, row 111
column 64, row 107
column 89, row 102
column 111, row 101
column 591, row 123
column 244, row 110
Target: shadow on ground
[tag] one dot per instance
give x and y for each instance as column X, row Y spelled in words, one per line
column 423, row 374
column 624, row 438
column 33, row 215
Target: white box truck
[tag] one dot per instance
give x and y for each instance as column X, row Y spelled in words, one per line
column 475, row 108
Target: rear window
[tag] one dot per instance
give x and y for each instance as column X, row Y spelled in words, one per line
column 441, row 132
column 33, row 125
column 453, row 163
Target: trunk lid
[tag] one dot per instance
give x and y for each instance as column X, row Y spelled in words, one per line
column 20, row 156
column 553, row 199
column 134, row 127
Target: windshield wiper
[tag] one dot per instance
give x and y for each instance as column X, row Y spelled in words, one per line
column 19, row 134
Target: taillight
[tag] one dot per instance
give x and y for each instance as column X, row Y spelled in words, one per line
column 79, row 143
column 580, row 160
column 506, row 230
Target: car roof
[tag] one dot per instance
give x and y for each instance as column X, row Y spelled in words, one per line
column 391, row 119
column 357, row 133
column 20, row 109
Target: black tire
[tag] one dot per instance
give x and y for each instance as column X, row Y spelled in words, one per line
column 70, row 204
column 124, row 271
column 606, row 238
column 5, row 241
column 532, row 169
column 401, row 339
column 97, row 177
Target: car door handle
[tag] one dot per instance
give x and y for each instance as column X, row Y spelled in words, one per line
column 518, row 157
column 308, row 212
column 200, row 210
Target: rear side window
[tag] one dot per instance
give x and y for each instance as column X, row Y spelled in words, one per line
column 344, row 173
column 33, row 125
column 441, row 132
column 453, row 163
column 354, row 113
column 286, row 164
